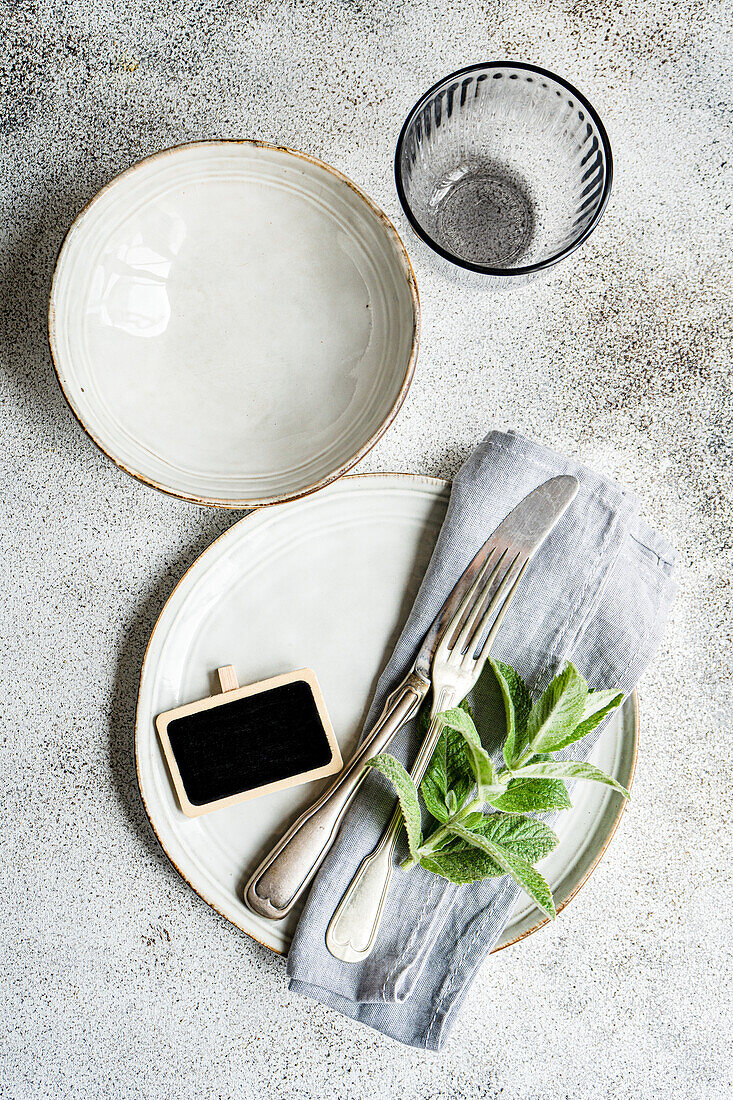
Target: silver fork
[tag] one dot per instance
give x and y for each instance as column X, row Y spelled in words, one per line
column 457, row 664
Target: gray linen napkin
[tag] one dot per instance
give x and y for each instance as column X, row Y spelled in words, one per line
column 597, row 593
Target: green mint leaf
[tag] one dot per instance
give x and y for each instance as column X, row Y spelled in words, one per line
column 594, row 711
column 517, row 707
column 521, row 835
column 529, row 878
column 448, row 770
column 451, row 802
column 460, row 772
column 434, row 787
column 481, row 763
column 600, row 700
column 433, row 805
column 406, row 793
column 523, row 873
column 461, row 861
column 532, row 796
column 554, row 718
column 598, row 706
column 465, row 865
column 570, row 769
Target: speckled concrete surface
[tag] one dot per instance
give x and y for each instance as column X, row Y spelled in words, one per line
column 116, row 980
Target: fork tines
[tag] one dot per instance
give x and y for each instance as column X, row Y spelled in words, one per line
column 487, row 599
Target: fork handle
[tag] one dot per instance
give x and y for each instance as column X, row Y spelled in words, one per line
column 353, row 928
column 283, row 875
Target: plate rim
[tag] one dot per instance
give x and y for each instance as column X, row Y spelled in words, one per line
column 408, row 271
column 442, row 485
column 633, row 701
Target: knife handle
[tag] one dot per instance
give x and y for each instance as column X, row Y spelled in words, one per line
column 283, row 875
column 352, row 930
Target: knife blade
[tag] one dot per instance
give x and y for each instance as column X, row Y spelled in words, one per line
column 525, row 528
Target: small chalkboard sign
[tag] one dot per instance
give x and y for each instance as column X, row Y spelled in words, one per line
column 249, row 741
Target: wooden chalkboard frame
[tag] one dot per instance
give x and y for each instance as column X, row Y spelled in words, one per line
column 230, row 691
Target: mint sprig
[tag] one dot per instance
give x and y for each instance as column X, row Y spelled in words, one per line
column 479, row 823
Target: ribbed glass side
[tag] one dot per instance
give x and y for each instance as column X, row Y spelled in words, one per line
column 503, row 167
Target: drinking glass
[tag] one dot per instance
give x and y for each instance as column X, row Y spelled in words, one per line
column 503, row 168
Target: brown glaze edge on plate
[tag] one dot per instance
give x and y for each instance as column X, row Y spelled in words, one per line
column 245, row 503
column 444, row 484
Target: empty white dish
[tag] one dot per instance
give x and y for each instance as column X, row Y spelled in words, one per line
column 234, row 323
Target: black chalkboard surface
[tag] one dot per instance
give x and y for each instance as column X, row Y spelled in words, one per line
column 248, row 741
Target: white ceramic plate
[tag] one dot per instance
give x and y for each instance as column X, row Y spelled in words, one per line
column 233, row 323
column 326, row 583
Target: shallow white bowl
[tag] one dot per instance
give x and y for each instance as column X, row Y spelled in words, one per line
column 234, row 323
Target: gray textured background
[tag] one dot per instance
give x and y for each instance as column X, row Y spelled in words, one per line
column 116, row 980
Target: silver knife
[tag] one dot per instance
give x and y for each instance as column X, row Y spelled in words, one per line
column 284, row 874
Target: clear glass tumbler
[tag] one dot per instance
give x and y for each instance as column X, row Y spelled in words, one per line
column 503, row 168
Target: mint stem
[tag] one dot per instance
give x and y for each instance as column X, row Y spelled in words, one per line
column 432, row 842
